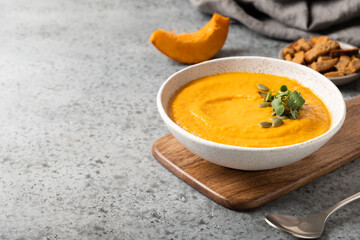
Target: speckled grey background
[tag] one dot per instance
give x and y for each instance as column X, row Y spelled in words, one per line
column 78, row 81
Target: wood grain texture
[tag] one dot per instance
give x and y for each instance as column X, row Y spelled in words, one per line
column 241, row 190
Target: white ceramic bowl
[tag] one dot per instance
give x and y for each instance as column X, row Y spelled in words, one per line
column 247, row 158
column 338, row 81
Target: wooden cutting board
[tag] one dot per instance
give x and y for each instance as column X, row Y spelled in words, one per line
column 240, row 190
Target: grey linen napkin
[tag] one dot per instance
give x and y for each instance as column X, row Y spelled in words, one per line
column 292, row 19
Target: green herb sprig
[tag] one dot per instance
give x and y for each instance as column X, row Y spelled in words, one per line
column 285, row 103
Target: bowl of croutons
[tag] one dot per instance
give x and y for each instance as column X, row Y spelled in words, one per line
column 338, row 61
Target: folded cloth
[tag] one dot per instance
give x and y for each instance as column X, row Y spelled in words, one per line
column 292, row 19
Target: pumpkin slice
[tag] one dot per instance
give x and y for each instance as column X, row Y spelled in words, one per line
column 193, row 47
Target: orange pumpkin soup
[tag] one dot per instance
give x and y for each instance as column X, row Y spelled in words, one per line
column 224, row 108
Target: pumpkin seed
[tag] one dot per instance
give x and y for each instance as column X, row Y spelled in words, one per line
column 265, row 124
column 265, row 104
column 276, row 122
column 283, row 117
column 262, row 87
column 262, row 94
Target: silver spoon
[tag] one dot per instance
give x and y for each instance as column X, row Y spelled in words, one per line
column 306, row 227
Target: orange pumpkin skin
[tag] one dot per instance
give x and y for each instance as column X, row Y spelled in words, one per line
column 193, row 47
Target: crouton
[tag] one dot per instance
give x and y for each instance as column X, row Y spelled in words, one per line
column 340, row 52
column 324, row 65
column 321, row 39
column 322, row 58
column 343, row 62
column 288, row 50
column 323, row 55
column 320, row 48
column 299, row 57
column 333, row 74
column 288, row 57
column 354, row 65
column 304, row 45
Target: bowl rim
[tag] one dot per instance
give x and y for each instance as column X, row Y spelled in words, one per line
column 333, row 129
column 335, row 79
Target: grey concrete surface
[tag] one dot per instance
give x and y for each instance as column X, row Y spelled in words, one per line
column 78, row 81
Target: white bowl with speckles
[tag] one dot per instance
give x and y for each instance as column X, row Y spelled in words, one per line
column 247, row 158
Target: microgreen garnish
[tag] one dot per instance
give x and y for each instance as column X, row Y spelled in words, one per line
column 269, row 97
column 285, row 103
column 283, row 88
